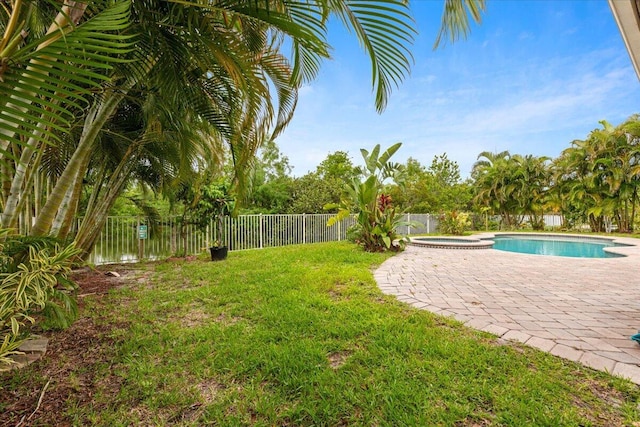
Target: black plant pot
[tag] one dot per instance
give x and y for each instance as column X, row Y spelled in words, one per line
column 218, row 253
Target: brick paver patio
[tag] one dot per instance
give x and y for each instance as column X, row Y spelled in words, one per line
column 580, row 309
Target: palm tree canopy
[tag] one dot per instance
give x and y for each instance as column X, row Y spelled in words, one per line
column 45, row 76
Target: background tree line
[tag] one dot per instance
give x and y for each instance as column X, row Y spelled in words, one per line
column 594, row 181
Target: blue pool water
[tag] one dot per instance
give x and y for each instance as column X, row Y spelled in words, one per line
column 558, row 246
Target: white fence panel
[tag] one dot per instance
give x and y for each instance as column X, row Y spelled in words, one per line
column 119, row 240
column 421, row 224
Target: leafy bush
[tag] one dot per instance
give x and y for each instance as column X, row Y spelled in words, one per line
column 485, row 222
column 454, row 223
column 204, row 203
column 33, row 280
column 537, row 223
column 379, row 234
column 377, row 219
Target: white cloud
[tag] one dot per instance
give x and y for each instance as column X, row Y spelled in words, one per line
column 525, row 35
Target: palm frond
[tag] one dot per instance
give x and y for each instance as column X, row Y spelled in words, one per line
column 455, row 19
column 54, row 74
column 279, row 72
column 385, row 31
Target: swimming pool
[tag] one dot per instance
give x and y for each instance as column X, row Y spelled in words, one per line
column 575, row 247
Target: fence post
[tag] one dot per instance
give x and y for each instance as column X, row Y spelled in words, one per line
column 227, row 230
column 339, row 230
column 261, row 226
column 428, row 223
column 304, row 229
column 409, row 226
column 140, row 241
column 208, row 233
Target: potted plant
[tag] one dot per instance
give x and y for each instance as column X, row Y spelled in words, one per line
column 218, row 249
column 205, row 202
column 215, row 202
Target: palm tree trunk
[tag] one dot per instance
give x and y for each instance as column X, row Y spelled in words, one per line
column 26, row 202
column 37, row 192
column 56, row 225
column 95, row 120
column 70, row 216
column 97, row 189
column 98, row 211
column 22, row 206
column 18, row 189
column 64, row 219
column 92, row 224
column 68, row 208
column 537, row 221
column 5, row 185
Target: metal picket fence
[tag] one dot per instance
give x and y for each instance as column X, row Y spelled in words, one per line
column 120, row 239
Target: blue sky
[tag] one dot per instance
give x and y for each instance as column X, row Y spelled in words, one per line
column 534, row 76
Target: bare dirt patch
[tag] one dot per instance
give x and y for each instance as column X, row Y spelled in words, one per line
column 209, row 390
column 194, row 317
column 338, row 358
column 97, row 281
column 227, row 320
column 78, row 364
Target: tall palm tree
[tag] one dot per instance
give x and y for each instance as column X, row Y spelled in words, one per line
column 582, row 175
column 630, row 131
column 225, row 45
column 224, row 69
column 563, row 178
column 496, row 184
column 616, row 168
column 232, row 39
column 532, row 176
column 156, row 150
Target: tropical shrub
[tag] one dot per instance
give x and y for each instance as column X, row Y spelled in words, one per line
column 376, row 218
column 33, row 280
column 204, row 203
column 214, row 201
column 537, row 223
column 379, row 231
column 454, row 222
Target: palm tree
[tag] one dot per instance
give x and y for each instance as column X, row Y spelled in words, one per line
column 495, row 184
column 224, row 70
column 563, row 179
column 157, row 151
column 232, row 56
column 239, row 56
column 582, row 176
column 532, row 175
column 617, row 168
column 630, row 131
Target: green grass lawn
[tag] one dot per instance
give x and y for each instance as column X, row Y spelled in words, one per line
column 301, row 336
